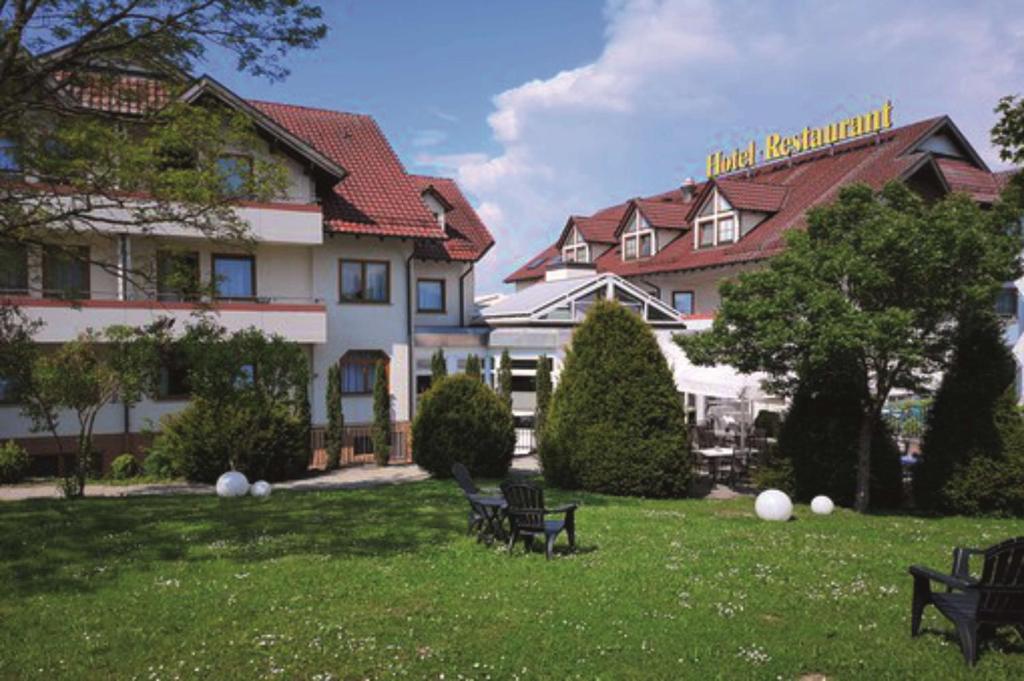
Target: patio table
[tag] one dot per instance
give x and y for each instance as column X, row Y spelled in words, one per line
column 493, row 510
column 714, row 455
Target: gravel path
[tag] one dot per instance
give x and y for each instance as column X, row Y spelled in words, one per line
column 354, row 477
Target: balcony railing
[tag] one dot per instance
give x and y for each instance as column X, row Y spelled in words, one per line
column 35, row 297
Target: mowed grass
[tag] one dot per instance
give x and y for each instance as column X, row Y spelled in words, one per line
column 383, row 583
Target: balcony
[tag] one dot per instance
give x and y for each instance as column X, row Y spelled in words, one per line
column 297, row 320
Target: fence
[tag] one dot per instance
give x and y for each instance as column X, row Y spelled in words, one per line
column 357, row 445
column 526, row 441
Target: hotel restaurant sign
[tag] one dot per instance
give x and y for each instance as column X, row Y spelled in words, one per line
column 778, row 146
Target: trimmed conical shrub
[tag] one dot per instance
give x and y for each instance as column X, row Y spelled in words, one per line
column 973, row 448
column 615, row 423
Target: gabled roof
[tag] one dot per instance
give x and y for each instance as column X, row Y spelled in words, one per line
column 748, row 195
column 207, row 86
column 595, row 229
column 534, row 304
column 377, row 197
column 468, row 237
column 787, row 189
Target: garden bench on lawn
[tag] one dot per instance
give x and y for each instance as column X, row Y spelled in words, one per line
column 486, row 506
column 997, row 598
column 528, row 518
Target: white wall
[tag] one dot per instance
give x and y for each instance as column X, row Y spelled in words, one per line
column 703, row 283
column 449, row 272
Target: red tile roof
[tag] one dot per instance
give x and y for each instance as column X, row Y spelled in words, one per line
column 115, row 93
column 468, row 237
column 965, row 177
column 377, row 197
column 786, row 190
column 664, row 212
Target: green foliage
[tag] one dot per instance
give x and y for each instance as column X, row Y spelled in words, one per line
column 1008, row 133
column 159, row 465
column 473, row 367
column 878, row 278
column 505, row 378
column 438, row 366
column 615, row 422
column 543, row 394
column 462, row 420
column 14, row 462
column 125, row 467
column 973, row 448
column 381, row 416
column 263, row 441
column 776, row 473
column 768, row 421
column 818, row 444
column 335, row 435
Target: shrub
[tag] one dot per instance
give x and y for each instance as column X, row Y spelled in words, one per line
column 14, row 462
column 335, row 435
column 381, row 416
column 438, row 366
column 615, row 423
column 462, row 420
column 260, row 440
column 473, row 367
column 777, row 473
column 504, row 382
column 158, row 464
column 124, row 467
column 768, row 421
column 972, row 449
column 818, row 441
column 543, row 395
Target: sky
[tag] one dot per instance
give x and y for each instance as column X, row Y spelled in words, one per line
column 544, row 109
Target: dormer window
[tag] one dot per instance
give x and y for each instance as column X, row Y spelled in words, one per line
column 436, row 204
column 716, row 223
column 575, row 248
column 638, row 238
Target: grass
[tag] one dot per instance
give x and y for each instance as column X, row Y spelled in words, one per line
column 383, row 583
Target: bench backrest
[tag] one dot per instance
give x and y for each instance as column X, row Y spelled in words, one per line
column 525, row 505
column 1001, row 587
column 462, row 477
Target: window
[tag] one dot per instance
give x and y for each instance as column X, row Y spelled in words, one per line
column 236, row 173
column 8, row 390
column 8, row 156
column 575, row 248
column 173, row 382
column 1006, row 302
column 66, row 272
column 682, row 301
column 235, row 276
column 177, row 275
column 430, row 295
column 365, row 281
column 638, row 238
column 423, row 383
column 717, row 222
column 524, row 384
column 359, row 371
column 14, row 270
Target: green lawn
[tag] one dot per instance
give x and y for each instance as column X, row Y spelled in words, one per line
column 383, row 583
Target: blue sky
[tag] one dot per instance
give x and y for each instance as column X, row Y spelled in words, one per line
column 543, row 109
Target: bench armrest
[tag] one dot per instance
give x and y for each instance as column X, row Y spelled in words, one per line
column 936, row 576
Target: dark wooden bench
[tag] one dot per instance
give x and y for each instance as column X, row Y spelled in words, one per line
column 996, row 598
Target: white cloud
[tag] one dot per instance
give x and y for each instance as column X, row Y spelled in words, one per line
column 676, row 79
column 428, row 138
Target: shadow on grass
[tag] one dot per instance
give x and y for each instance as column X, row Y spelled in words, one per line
column 1005, row 640
column 75, row 546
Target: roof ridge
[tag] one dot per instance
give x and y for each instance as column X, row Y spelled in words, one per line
column 427, row 176
column 306, row 107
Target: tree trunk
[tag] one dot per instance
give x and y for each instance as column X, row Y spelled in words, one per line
column 867, row 430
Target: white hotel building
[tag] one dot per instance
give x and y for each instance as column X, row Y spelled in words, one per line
column 358, row 261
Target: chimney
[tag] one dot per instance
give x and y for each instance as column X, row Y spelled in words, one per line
column 688, row 188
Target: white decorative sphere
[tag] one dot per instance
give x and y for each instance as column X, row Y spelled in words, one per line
column 773, row 504
column 260, row 488
column 822, row 505
column 232, row 484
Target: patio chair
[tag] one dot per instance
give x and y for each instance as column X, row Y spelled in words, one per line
column 528, row 517
column 477, row 514
column 997, row 598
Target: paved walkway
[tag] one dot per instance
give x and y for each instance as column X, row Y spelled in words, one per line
column 354, row 477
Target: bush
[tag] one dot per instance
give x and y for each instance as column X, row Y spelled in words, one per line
column 158, row 464
column 972, row 447
column 819, row 437
column 768, row 421
column 263, row 441
column 124, row 467
column 14, row 462
column 462, row 420
column 615, row 423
